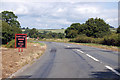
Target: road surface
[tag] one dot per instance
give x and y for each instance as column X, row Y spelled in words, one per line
column 64, row 60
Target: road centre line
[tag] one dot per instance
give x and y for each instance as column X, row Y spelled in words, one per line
column 88, row 55
column 66, row 46
column 92, row 57
column 79, row 50
column 110, row 68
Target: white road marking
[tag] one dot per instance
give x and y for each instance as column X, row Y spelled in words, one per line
column 92, row 57
column 68, row 46
column 80, row 51
column 110, row 68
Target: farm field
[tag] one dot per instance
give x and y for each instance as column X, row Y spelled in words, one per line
column 52, row 30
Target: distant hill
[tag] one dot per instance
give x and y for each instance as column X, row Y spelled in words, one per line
column 113, row 29
column 52, row 30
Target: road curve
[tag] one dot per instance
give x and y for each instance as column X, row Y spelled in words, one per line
column 64, row 60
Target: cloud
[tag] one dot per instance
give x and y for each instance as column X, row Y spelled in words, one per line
column 60, row 14
column 21, row 10
column 112, row 21
column 71, row 1
column 87, row 10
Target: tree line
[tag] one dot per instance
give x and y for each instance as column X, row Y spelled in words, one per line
column 34, row 33
column 11, row 26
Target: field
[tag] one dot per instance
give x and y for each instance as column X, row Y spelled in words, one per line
column 113, row 29
column 52, row 30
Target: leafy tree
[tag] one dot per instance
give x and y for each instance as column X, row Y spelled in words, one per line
column 118, row 29
column 61, row 35
column 10, row 26
column 70, row 31
column 10, row 18
column 33, row 33
column 72, row 34
column 8, row 32
column 97, row 27
column 27, row 28
column 92, row 28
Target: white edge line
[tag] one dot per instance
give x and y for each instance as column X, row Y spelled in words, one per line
column 92, row 57
column 110, row 68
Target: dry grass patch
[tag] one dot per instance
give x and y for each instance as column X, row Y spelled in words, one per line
column 12, row 60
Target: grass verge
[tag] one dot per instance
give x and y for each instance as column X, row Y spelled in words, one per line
column 12, row 60
column 113, row 48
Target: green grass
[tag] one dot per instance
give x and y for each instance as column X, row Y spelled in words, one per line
column 114, row 48
column 52, row 30
column 32, row 41
column 56, row 40
column 42, row 44
column 113, row 29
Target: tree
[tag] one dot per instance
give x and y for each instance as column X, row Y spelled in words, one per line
column 72, row 34
column 33, row 33
column 27, row 28
column 118, row 29
column 70, row 31
column 10, row 18
column 92, row 28
column 8, row 32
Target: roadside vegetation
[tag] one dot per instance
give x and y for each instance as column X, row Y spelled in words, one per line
column 94, row 30
column 10, row 26
column 12, row 60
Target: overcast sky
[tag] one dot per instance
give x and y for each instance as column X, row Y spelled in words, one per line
column 57, row 15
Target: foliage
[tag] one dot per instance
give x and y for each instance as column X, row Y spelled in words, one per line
column 11, row 44
column 118, row 29
column 10, row 18
column 33, row 33
column 8, row 32
column 111, row 40
column 10, row 26
column 85, row 39
column 96, row 28
column 72, row 34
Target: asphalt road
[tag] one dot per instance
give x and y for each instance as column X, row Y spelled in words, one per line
column 63, row 60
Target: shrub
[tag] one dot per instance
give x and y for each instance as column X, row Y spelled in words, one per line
column 82, row 39
column 11, row 44
column 112, row 40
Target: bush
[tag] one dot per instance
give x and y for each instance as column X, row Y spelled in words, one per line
column 83, row 39
column 118, row 29
column 113, row 40
column 11, row 44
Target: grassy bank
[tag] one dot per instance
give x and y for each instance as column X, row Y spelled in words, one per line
column 113, row 48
